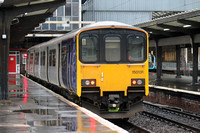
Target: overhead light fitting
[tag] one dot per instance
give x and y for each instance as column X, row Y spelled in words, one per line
column 166, row 29
column 1, row 1
column 186, row 26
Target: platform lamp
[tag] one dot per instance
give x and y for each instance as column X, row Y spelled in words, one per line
column 1, row 1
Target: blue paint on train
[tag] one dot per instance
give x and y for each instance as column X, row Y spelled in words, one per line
column 69, row 71
column 74, row 67
column 64, row 65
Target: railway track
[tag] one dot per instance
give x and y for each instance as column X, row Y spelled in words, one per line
column 187, row 124
column 130, row 127
column 171, row 122
column 176, row 111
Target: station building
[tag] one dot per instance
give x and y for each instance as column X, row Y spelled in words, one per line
column 126, row 11
column 134, row 11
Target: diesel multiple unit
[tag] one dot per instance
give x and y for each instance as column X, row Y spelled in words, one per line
column 104, row 65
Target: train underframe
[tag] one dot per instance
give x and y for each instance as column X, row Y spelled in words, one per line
column 113, row 105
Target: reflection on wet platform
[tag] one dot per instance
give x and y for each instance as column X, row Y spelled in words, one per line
column 33, row 109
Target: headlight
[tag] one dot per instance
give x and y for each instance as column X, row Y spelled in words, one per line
column 137, row 81
column 88, row 82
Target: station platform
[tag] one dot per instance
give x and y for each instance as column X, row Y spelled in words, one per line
column 169, row 81
column 32, row 108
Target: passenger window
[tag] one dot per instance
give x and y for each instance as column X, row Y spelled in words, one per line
column 89, row 49
column 42, row 58
column 64, row 56
column 37, row 58
column 112, row 49
column 52, row 57
column 31, row 58
column 135, row 48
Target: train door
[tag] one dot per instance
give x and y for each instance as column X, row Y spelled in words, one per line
column 31, row 63
column 14, row 62
column 112, row 45
column 53, row 64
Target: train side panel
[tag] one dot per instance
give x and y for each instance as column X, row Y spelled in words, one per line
column 43, row 63
column 53, row 57
column 30, row 62
column 37, row 63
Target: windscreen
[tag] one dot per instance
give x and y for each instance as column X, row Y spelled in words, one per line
column 113, row 46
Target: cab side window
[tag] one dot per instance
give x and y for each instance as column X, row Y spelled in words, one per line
column 136, row 48
column 89, row 49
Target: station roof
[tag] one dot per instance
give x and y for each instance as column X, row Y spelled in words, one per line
column 178, row 25
column 31, row 13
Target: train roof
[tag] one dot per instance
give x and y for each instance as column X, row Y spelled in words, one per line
column 91, row 26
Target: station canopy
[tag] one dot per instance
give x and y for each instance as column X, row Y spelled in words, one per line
column 31, row 14
column 174, row 29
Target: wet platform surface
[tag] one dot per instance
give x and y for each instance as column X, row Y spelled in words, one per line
column 170, row 81
column 32, row 109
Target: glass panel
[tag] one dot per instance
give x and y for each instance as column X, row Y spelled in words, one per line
column 45, row 26
column 75, row 18
column 75, row 26
column 64, row 56
column 37, row 58
column 31, row 58
column 42, row 58
column 89, row 47
column 53, row 26
column 75, row 9
column 60, row 11
column 112, row 48
column 52, row 57
column 61, row 26
column 136, row 48
column 68, row 9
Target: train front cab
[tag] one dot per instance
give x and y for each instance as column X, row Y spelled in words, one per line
column 112, row 70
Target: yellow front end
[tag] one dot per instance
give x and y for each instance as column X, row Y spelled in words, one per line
column 115, row 87
column 113, row 77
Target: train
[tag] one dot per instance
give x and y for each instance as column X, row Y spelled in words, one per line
column 152, row 62
column 102, row 66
